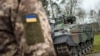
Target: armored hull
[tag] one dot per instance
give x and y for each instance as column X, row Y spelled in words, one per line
column 73, row 40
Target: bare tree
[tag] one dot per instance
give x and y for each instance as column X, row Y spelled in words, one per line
column 66, row 7
column 45, row 3
column 72, row 5
column 81, row 13
column 56, row 9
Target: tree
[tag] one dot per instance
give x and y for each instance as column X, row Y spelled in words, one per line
column 45, row 3
column 64, row 7
column 72, row 5
column 56, row 9
column 93, row 14
column 98, row 20
column 81, row 13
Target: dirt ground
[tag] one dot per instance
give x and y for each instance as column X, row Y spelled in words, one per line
column 96, row 54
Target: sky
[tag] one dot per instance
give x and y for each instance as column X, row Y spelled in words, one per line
column 91, row 4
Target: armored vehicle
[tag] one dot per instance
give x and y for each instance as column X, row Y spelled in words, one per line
column 72, row 39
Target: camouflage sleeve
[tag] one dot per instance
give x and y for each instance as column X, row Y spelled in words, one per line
column 28, row 7
column 18, row 29
column 12, row 43
column 35, row 6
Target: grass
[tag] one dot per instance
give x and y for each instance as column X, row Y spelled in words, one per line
column 96, row 48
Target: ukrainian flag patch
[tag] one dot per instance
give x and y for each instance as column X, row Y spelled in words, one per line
column 31, row 18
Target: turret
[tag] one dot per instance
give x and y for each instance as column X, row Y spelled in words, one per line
column 70, row 20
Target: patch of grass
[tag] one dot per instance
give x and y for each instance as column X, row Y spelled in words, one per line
column 96, row 48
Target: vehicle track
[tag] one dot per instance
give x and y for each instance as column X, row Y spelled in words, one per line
column 95, row 54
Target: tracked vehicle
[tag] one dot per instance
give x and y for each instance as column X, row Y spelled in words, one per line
column 72, row 39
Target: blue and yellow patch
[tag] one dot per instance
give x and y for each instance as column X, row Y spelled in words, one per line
column 31, row 18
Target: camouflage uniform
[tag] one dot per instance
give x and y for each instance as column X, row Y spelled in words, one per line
column 35, row 6
column 11, row 40
column 11, row 30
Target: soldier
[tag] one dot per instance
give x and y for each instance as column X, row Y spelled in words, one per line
column 11, row 30
column 12, row 40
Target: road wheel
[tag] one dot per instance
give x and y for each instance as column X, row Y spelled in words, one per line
column 86, row 47
column 91, row 45
column 83, row 49
column 73, row 51
column 79, row 51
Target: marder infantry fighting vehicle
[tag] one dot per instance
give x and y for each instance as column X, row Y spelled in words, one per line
column 72, row 39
